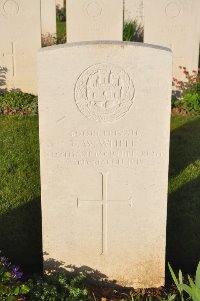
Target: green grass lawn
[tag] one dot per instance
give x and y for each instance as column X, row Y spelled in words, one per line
column 61, row 28
column 20, row 211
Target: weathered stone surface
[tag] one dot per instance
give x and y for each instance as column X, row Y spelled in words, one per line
column 175, row 24
column 48, row 16
column 20, row 32
column 104, row 140
column 134, row 10
column 94, row 20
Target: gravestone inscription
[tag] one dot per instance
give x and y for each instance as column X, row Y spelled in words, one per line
column 104, row 159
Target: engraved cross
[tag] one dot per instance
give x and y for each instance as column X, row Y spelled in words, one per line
column 104, row 207
column 12, row 54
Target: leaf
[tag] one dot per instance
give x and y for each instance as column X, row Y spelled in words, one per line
column 191, row 283
column 24, row 289
column 171, row 297
column 197, row 280
column 180, row 277
column 174, row 277
column 187, row 289
column 16, row 291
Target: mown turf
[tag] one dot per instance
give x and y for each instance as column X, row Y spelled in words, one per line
column 20, row 212
column 20, row 217
column 183, row 232
column 61, row 28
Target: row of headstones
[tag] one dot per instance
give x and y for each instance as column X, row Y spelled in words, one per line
column 174, row 24
column 170, row 23
column 133, row 10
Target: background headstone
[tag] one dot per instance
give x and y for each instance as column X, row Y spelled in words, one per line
column 48, row 16
column 175, row 24
column 104, row 159
column 60, row 3
column 134, row 10
column 20, row 32
column 91, row 20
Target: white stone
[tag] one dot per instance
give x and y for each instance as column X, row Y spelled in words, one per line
column 60, row 3
column 104, row 112
column 20, row 32
column 94, row 20
column 175, row 24
column 134, row 10
column 48, row 16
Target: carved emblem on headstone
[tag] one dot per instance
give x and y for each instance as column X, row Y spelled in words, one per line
column 10, row 7
column 93, row 9
column 104, row 93
column 173, row 9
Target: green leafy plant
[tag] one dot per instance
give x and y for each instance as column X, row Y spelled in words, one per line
column 193, row 289
column 11, row 288
column 133, row 32
column 187, row 92
column 178, row 281
column 58, row 288
column 18, row 103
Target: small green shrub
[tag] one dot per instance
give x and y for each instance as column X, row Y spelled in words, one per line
column 193, row 289
column 58, row 288
column 18, row 103
column 132, row 32
column 11, row 287
column 188, row 91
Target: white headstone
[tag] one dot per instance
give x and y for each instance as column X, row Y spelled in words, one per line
column 20, row 32
column 48, row 16
column 60, row 3
column 104, row 159
column 91, row 20
column 175, row 24
column 134, row 10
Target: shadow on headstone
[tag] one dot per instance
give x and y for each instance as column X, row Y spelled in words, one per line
column 3, row 72
column 139, row 34
column 21, row 236
column 183, row 225
column 93, row 277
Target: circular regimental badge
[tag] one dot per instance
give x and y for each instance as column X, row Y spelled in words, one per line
column 104, row 93
column 173, row 9
column 93, row 9
column 10, row 7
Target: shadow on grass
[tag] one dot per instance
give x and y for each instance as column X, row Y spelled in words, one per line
column 183, row 230
column 183, row 225
column 21, row 236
